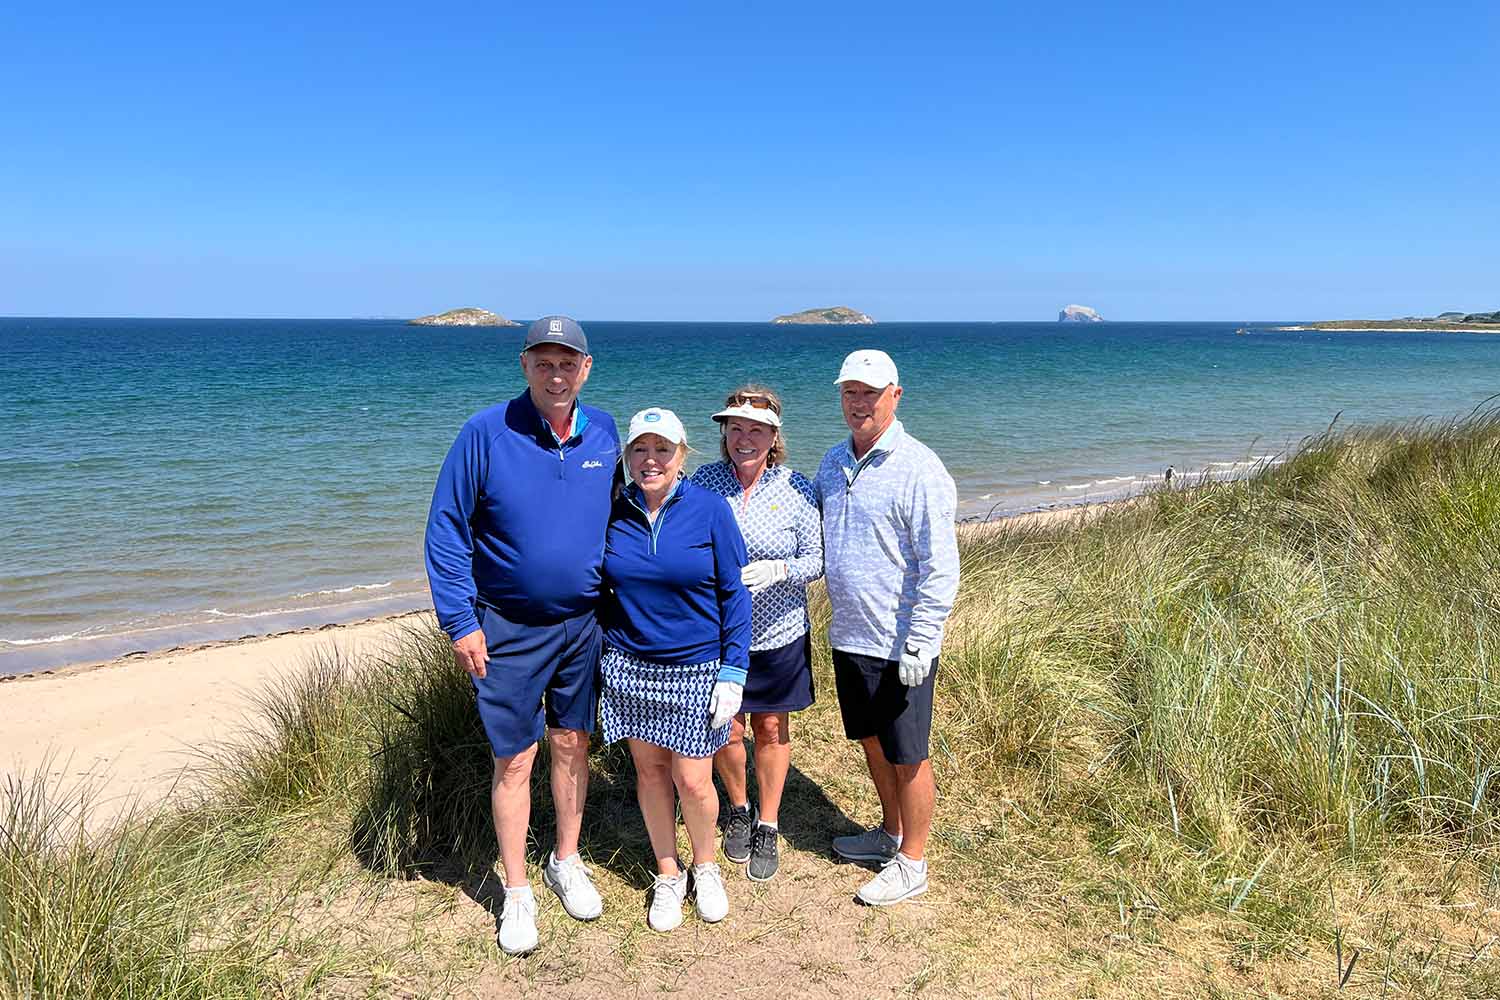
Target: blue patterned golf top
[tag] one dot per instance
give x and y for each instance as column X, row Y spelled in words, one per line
column 779, row 520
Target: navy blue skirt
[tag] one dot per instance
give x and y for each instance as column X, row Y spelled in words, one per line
column 780, row 679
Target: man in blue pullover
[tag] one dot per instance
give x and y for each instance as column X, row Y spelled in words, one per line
column 515, row 539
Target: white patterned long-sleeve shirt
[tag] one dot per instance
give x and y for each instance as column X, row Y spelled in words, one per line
column 890, row 546
column 779, row 520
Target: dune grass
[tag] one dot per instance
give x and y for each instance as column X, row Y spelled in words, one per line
column 1269, row 705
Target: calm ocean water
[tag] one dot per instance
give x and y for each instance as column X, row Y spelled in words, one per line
column 166, row 481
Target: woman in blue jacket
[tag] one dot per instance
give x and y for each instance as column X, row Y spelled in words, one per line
column 676, row 648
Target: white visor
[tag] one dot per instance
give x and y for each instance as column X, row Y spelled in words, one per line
column 745, row 411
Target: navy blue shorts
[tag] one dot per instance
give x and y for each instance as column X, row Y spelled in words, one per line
column 532, row 666
column 874, row 702
column 780, row 679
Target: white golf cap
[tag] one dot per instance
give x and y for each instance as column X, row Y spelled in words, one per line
column 657, row 421
column 873, row 368
column 760, row 414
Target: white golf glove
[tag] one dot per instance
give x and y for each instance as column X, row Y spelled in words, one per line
column 914, row 667
column 724, row 703
column 757, row 576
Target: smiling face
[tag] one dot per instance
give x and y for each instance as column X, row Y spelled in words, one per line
column 653, row 463
column 748, row 443
column 555, row 374
column 868, row 411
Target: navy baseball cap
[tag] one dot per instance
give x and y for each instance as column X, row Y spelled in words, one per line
column 556, row 330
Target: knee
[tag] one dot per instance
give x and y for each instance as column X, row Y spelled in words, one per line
column 693, row 782
column 515, row 768
column 568, row 744
column 653, row 774
column 770, row 729
column 909, row 773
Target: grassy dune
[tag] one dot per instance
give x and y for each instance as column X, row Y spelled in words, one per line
column 1237, row 739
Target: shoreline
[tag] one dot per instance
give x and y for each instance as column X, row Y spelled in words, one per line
column 1386, row 329
column 1037, row 515
column 66, row 654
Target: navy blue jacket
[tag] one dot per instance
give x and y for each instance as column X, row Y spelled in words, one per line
column 676, row 594
column 518, row 518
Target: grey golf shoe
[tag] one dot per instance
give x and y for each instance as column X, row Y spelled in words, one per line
column 873, row 845
column 738, row 825
column 765, row 853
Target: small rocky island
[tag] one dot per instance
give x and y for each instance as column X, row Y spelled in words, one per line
column 841, row 315
column 464, row 317
column 1079, row 314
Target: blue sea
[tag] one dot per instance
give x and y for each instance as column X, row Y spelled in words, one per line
column 175, row 481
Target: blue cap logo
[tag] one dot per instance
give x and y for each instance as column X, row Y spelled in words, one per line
column 652, row 417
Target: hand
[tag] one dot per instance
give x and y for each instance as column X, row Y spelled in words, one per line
column 724, row 703
column 759, row 575
column 914, row 668
column 471, row 653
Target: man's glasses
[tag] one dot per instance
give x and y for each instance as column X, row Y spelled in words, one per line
column 758, row 402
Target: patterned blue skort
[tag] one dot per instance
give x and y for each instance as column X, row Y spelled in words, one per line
column 659, row 704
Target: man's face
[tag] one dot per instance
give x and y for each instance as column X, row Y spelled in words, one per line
column 867, row 410
column 555, row 374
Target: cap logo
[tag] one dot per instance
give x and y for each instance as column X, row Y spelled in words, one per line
column 652, row 417
column 554, row 328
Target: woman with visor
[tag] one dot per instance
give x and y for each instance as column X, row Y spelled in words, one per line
column 777, row 512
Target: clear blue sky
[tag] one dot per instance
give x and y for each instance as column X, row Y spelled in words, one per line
column 716, row 161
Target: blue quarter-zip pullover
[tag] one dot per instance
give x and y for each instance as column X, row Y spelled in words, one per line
column 676, row 594
column 518, row 517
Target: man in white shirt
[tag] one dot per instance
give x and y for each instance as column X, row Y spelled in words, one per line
column 891, row 560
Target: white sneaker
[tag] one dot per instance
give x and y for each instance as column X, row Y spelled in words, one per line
column 901, row 878
column 708, row 886
column 667, row 895
column 518, row 921
column 569, row 878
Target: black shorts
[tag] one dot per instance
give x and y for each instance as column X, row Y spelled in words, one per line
column 780, row 679
column 874, row 702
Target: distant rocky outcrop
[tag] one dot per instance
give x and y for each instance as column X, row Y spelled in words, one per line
column 464, row 317
column 1079, row 314
column 1458, row 322
column 833, row 314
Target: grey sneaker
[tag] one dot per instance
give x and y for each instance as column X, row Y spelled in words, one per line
column 900, row 879
column 764, row 853
column 738, row 824
column 872, row 845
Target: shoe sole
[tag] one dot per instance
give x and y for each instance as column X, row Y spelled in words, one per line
column 547, row 881
column 762, row 878
column 737, row 860
column 519, row 951
column 914, row 893
column 876, row 858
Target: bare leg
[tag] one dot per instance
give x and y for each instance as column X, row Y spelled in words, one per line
column 917, row 791
column 730, row 763
column 570, row 785
column 773, row 757
column 510, row 803
column 694, row 778
column 883, row 773
column 653, row 790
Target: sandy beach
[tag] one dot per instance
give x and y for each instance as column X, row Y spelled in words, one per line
column 130, row 726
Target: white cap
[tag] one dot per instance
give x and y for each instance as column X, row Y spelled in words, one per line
column 873, row 368
column 656, row 420
column 761, row 415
